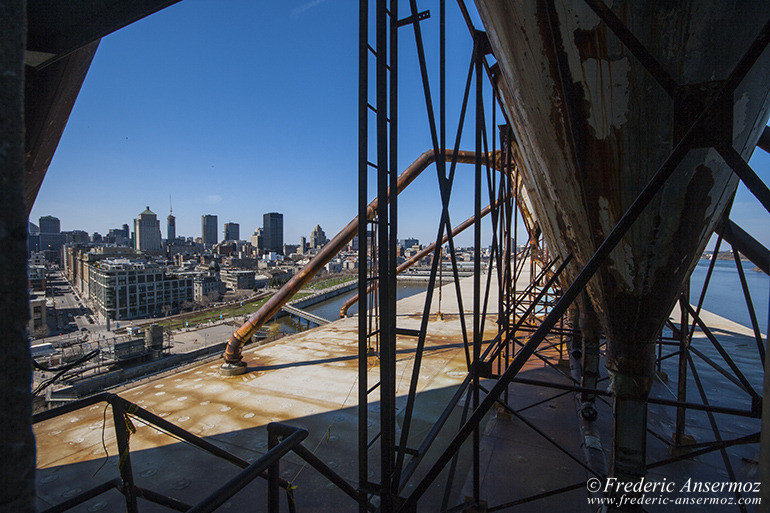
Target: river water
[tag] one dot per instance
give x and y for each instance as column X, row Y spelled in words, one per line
column 724, row 296
column 330, row 309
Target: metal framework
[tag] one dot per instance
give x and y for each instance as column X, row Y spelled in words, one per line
column 532, row 321
column 282, row 439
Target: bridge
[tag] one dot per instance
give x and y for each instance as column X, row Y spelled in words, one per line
column 291, row 310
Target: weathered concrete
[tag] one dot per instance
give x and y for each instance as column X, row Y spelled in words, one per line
column 17, row 445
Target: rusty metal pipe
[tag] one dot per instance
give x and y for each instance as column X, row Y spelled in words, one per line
column 416, row 258
column 233, row 358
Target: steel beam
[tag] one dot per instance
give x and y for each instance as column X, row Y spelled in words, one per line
column 57, row 28
column 744, row 243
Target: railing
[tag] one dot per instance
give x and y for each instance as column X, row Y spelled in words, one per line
column 282, row 439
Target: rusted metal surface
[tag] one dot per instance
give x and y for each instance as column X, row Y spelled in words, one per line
column 593, row 125
column 334, row 246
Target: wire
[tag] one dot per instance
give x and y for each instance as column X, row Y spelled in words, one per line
column 60, row 371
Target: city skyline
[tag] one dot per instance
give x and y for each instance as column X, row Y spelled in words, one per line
column 210, row 127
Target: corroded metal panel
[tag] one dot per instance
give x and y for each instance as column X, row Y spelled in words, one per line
column 593, row 126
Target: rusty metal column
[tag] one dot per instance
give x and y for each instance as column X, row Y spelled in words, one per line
column 17, row 443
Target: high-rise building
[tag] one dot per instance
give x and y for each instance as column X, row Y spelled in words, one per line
column 147, row 232
column 258, row 240
column 273, row 230
column 51, row 238
column 209, row 229
column 302, row 245
column 171, row 228
column 232, row 231
column 318, row 237
column 49, row 224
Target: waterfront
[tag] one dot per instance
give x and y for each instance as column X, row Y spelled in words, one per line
column 725, row 295
column 330, row 309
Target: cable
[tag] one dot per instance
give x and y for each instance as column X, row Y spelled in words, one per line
column 60, row 371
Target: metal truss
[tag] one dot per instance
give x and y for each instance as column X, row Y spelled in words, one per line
column 530, row 322
column 282, row 439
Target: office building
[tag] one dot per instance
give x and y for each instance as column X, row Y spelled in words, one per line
column 273, row 231
column 132, row 289
column 318, row 237
column 37, row 315
column 36, row 275
column 49, row 224
column 258, row 240
column 147, row 232
column 209, row 229
column 232, row 231
column 76, row 237
column 238, row 279
column 50, row 239
column 171, row 228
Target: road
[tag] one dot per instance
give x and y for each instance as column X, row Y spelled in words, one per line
column 70, row 320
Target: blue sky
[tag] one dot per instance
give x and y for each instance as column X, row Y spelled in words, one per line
column 238, row 108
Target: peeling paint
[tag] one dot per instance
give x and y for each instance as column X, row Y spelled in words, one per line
column 607, row 91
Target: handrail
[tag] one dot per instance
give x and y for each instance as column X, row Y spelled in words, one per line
column 250, row 473
column 265, row 467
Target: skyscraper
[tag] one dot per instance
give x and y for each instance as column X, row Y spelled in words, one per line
column 171, row 228
column 318, row 237
column 273, row 229
column 147, row 232
column 209, row 229
column 51, row 238
column 49, row 224
column 232, row 231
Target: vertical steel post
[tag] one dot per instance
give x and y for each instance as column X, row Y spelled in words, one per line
column 386, row 301
column 477, row 52
column 363, row 242
column 273, row 473
column 124, row 456
column 681, row 387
